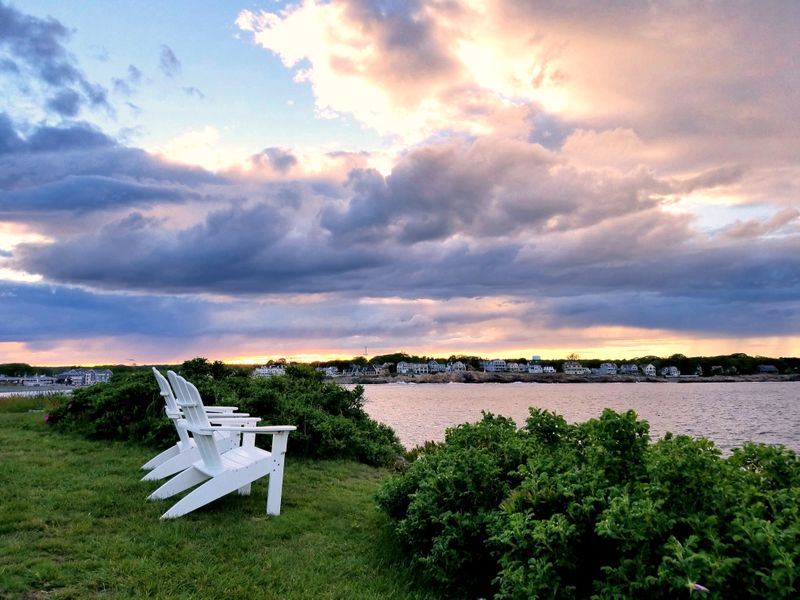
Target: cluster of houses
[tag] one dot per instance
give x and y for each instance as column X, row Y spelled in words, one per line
column 76, row 377
column 495, row 365
column 573, row 367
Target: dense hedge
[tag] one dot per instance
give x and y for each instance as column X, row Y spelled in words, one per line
column 330, row 420
column 594, row 509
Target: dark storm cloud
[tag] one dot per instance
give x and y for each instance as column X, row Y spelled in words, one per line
column 36, row 46
column 465, row 219
column 42, row 312
column 168, row 62
column 84, row 193
column 51, row 153
column 238, row 250
column 717, row 316
column 66, row 103
column 76, row 168
column 485, row 189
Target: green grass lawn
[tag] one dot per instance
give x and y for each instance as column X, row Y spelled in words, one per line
column 74, row 523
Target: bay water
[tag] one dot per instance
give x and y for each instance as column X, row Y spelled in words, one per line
column 729, row 414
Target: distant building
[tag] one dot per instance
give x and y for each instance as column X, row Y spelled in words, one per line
column 269, row 371
column 329, row 371
column 573, row 367
column 548, row 370
column 456, row 367
column 536, row 369
column 649, row 370
column 628, row 369
column 84, row 376
column 38, row 380
column 608, row 369
column 670, row 372
column 496, row 365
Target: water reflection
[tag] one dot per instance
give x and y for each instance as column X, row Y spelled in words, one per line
column 727, row 413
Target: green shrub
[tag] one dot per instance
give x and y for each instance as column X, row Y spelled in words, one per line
column 128, row 407
column 330, row 420
column 594, row 509
column 446, row 501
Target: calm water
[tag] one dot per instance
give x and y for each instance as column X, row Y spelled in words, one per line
column 727, row 413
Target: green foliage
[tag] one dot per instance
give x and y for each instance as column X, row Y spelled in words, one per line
column 446, row 501
column 128, row 407
column 18, row 369
column 555, row 510
column 331, row 421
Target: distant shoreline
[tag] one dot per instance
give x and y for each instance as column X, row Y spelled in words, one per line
column 487, row 377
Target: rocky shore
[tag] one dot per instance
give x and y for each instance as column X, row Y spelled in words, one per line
column 486, row 377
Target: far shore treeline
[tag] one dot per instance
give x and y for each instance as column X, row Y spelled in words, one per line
column 729, row 364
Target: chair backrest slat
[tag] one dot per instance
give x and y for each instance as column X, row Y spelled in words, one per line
column 171, row 409
column 195, row 413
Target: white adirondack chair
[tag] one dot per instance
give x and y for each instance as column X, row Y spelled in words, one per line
column 181, row 456
column 221, row 473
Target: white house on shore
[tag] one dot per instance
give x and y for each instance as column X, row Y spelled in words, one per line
column 85, row 376
column 573, row 367
column 495, row 365
column 607, row 369
column 269, row 371
column 649, row 370
column 670, row 372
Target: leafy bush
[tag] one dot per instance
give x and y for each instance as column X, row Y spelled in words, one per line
column 128, row 407
column 594, row 509
column 330, row 420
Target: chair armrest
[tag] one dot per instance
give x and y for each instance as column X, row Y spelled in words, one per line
column 227, row 415
column 267, row 429
column 220, row 409
column 248, row 421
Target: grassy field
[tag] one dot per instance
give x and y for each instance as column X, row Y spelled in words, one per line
column 74, row 523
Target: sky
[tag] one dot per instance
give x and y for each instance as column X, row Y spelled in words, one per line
column 315, row 180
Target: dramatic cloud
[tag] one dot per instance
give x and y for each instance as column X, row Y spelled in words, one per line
column 547, row 175
column 35, row 47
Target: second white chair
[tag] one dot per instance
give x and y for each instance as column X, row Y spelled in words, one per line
column 218, row 473
column 180, row 456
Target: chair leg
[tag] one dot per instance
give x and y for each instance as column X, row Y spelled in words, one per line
column 214, row 489
column 176, row 464
column 275, row 488
column 163, row 457
column 183, row 481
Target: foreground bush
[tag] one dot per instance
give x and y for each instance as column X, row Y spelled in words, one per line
column 555, row 510
column 330, row 420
